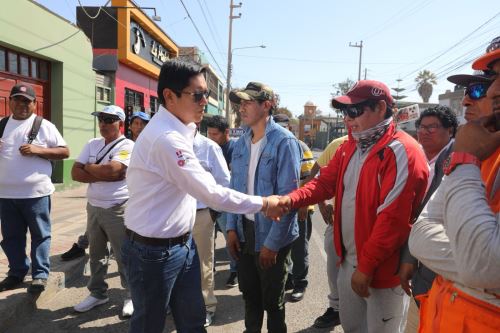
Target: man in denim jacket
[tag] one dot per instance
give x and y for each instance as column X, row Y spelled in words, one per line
column 265, row 161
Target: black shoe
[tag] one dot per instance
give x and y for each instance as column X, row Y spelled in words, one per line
column 73, row 253
column 289, row 283
column 330, row 318
column 10, row 282
column 37, row 286
column 232, row 280
column 297, row 294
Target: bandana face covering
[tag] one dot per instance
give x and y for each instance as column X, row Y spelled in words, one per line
column 369, row 137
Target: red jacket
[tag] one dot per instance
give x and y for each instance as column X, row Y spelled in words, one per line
column 391, row 185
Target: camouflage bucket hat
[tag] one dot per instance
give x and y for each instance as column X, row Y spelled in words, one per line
column 253, row 91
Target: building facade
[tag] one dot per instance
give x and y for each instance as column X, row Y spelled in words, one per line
column 50, row 53
column 129, row 49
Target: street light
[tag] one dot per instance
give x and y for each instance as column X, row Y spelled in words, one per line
column 229, row 70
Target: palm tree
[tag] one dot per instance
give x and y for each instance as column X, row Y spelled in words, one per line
column 425, row 80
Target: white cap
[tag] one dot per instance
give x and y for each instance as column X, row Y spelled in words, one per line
column 113, row 110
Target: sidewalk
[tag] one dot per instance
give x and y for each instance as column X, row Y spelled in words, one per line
column 68, row 221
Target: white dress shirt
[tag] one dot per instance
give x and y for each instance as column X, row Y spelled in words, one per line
column 165, row 179
column 211, row 158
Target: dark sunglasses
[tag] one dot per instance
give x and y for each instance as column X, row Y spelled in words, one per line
column 356, row 110
column 197, row 95
column 477, row 91
column 107, row 120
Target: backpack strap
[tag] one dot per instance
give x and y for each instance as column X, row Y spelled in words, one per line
column 3, row 123
column 35, row 128
column 114, row 144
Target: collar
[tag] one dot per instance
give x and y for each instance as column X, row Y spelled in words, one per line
column 172, row 123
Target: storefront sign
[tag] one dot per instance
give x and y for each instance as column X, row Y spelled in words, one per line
column 146, row 47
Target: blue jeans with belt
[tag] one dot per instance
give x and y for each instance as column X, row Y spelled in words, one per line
column 17, row 216
column 163, row 275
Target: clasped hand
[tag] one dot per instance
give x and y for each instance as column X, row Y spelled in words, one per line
column 277, row 206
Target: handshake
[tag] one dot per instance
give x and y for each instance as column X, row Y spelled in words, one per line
column 275, row 206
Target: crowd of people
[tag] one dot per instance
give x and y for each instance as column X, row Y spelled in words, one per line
column 405, row 218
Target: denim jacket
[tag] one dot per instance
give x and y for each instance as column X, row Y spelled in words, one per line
column 277, row 172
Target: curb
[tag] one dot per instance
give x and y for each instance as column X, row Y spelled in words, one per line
column 17, row 304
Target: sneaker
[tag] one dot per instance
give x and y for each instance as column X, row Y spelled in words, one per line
column 128, row 308
column 209, row 318
column 73, row 253
column 89, row 303
column 330, row 318
column 37, row 286
column 232, row 281
column 297, row 294
column 10, row 282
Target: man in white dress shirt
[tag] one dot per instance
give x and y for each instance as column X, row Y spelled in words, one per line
column 165, row 179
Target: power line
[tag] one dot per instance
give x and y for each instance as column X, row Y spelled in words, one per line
column 214, row 37
column 452, row 47
column 202, row 39
column 320, row 61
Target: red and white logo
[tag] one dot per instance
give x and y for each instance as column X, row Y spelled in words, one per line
column 23, row 89
column 377, row 92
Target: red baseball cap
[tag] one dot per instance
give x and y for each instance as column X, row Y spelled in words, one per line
column 364, row 90
column 492, row 54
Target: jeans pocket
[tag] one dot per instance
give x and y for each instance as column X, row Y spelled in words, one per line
column 154, row 255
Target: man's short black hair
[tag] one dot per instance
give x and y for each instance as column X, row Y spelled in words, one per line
column 218, row 122
column 446, row 117
column 372, row 103
column 175, row 75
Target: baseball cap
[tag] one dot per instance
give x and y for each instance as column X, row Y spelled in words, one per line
column 24, row 90
column 113, row 110
column 492, row 54
column 143, row 115
column 281, row 119
column 253, row 91
column 465, row 79
column 364, row 90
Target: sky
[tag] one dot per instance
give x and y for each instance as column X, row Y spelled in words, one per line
column 307, row 42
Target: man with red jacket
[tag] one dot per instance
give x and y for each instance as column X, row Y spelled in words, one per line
column 378, row 178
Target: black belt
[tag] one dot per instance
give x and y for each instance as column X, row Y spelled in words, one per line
column 157, row 241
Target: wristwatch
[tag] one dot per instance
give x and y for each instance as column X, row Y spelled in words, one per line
column 457, row 158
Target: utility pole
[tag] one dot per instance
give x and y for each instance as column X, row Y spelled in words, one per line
column 360, row 46
column 230, row 58
column 366, row 69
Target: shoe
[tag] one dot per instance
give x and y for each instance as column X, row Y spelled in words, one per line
column 297, row 294
column 10, row 282
column 73, row 253
column 89, row 303
column 232, row 281
column 289, row 282
column 128, row 308
column 330, row 318
column 37, row 286
column 209, row 318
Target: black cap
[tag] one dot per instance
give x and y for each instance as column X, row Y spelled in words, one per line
column 24, row 90
column 465, row 79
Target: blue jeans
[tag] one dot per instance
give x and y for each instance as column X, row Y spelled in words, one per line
column 17, row 216
column 222, row 222
column 300, row 253
column 163, row 275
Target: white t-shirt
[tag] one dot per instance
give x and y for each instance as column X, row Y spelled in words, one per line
column 107, row 194
column 23, row 177
column 252, row 167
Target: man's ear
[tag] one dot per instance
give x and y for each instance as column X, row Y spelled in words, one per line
column 168, row 95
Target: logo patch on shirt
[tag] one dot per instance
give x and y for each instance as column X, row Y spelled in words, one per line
column 123, row 154
column 181, row 160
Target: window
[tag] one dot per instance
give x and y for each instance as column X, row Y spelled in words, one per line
column 44, row 70
column 34, row 68
column 134, row 99
column 153, row 104
column 103, row 94
column 24, row 65
column 2, row 60
column 12, row 59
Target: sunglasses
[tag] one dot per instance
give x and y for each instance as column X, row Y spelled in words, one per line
column 477, row 91
column 356, row 110
column 197, row 95
column 107, row 120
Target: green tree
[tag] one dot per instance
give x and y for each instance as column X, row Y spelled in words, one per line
column 284, row 110
column 425, row 80
column 343, row 87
